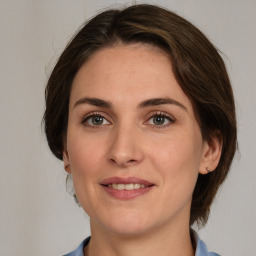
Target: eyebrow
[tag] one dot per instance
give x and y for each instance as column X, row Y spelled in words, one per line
column 160, row 101
column 94, row 101
column 146, row 103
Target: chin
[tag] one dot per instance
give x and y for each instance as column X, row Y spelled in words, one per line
column 125, row 229
column 127, row 224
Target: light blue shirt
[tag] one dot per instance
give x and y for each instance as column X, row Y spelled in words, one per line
column 201, row 248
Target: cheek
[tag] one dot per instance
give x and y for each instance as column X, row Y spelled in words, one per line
column 85, row 156
column 84, row 153
column 177, row 159
column 177, row 152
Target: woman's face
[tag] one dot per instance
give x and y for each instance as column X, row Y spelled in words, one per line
column 134, row 147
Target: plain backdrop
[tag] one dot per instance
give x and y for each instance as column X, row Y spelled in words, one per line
column 37, row 216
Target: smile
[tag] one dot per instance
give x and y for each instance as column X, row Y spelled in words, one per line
column 130, row 186
column 126, row 188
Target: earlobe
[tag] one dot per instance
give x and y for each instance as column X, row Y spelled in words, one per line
column 211, row 155
column 66, row 161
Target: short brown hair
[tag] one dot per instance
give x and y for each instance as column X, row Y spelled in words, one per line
column 197, row 66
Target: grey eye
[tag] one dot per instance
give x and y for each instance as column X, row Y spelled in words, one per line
column 159, row 120
column 97, row 120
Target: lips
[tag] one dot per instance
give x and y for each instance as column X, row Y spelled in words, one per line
column 130, row 186
column 126, row 188
column 130, row 180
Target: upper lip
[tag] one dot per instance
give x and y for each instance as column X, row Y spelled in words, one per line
column 129, row 180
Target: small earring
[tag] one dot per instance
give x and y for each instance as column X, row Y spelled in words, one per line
column 208, row 169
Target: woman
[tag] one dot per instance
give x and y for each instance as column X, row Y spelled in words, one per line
column 140, row 109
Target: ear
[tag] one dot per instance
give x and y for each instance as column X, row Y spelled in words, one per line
column 211, row 154
column 66, row 161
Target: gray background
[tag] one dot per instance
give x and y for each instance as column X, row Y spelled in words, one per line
column 37, row 217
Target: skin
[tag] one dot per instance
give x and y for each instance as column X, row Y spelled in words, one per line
column 129, row 143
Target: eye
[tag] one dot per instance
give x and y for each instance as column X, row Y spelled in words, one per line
column 160, row 120
column 95, row 120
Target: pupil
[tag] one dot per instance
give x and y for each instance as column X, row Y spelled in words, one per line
column 97, row 120
column 159, row 120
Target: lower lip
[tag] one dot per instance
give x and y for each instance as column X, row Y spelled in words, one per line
column 127, row 194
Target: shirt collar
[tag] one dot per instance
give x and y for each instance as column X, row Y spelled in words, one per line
column 201, row 248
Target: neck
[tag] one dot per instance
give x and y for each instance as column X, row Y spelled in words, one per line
column 158, row 241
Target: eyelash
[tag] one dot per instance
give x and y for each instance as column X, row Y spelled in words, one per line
column 167, row 116
column 91, row 115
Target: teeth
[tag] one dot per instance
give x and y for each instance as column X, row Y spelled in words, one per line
column 137, row 186
column 130, row 186
column 121, row 186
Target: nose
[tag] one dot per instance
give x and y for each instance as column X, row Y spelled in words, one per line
column 125, row 147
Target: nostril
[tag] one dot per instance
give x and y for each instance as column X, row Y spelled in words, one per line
column 122, row 162
column 112, row 160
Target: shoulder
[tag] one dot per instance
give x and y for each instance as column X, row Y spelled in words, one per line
column 79, row 251
column 201, row 248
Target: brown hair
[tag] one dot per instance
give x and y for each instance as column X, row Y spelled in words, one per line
column 197, row 66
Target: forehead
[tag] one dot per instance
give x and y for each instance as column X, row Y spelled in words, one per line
column 127, row 73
